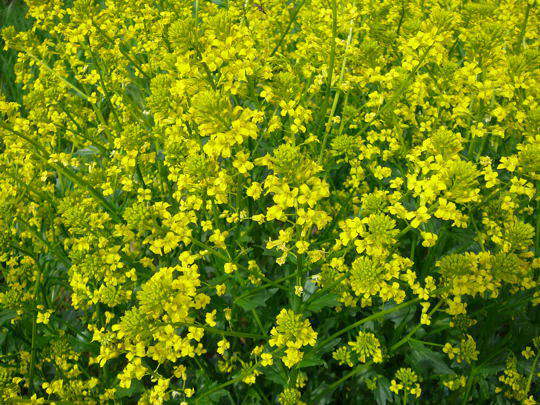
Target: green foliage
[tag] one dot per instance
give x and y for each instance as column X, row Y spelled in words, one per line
column 259, row 202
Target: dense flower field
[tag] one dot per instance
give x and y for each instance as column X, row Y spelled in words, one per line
column 273, row 202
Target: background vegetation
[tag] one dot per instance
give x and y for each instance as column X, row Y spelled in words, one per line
column 313, row 201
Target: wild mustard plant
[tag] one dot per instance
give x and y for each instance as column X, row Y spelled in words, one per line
column 305, row 201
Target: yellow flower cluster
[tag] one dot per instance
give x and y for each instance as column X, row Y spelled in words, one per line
column 292, row 332
column 195, row 194
column 366, row 346
column 408, row 382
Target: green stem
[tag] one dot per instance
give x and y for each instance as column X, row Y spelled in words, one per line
column 230, row 382
column 372, row 317
column 221, row 331
column 413, row 331
column 226, row 259
column 427, row 343
column 102, row 148
column 102, row 80
column 468, row 387
column 414, row 242
column 357, row 370
column 533, row 370
column 482, row 146
column 338, row 92
column 401, row 17
column 524, row 26
column 323, row 290
column 537, row 244
column 259, row 323
column 287, row 29
column 208, row 73
column 62, row 79
column 140, row 175
column 42, row 155
column 330, row 72
column 32, row 365
column 261, row 395
column 23, row 251
column 264, row 286
column 60, row 253
column 125, row 54
column 404, row 231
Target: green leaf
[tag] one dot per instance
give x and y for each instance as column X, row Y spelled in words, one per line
column 255, row 300
column 219, row 3
column 310, row 360
column 400, row 316
column 274, row 374
column 216, row 396
column 426, row 359
column 90, row 151
column 484, row 388
column 327, row 300
column 382, row 392
column 135, row 388
column 322, row 394
column 329, row 346
column 6, row 315
column 489, row 369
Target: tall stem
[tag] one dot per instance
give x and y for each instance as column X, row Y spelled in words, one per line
column 32, row 365
column 373, row 317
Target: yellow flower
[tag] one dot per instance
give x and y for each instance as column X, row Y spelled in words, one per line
column 367, row 346
column 230, row 268
column 266, row 359
column 210, row 318
column 292, row 356
column 220, row 289
column 528, row 352
column 395, row 387
column 223, row 345
column 254, row 190
column 43, row 317
column 275, row 212
column 430, row 239
column 302, row 246
column 419, row 217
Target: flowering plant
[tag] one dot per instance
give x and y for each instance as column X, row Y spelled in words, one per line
column 304, row 201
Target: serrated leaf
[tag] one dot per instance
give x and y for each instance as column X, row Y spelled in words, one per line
column 382, row 392
column 255, row 300
column 329, row 346
column 89, row 151
column 427, row 359
column 327, row 300
column 135, row 388
column 216, row 396
column 484, row 388
column 309, row 288
column 310, row 360
column 6, row 315
column 400, row 316
column 274, row 374
column 489, row 369
column 322, row 394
